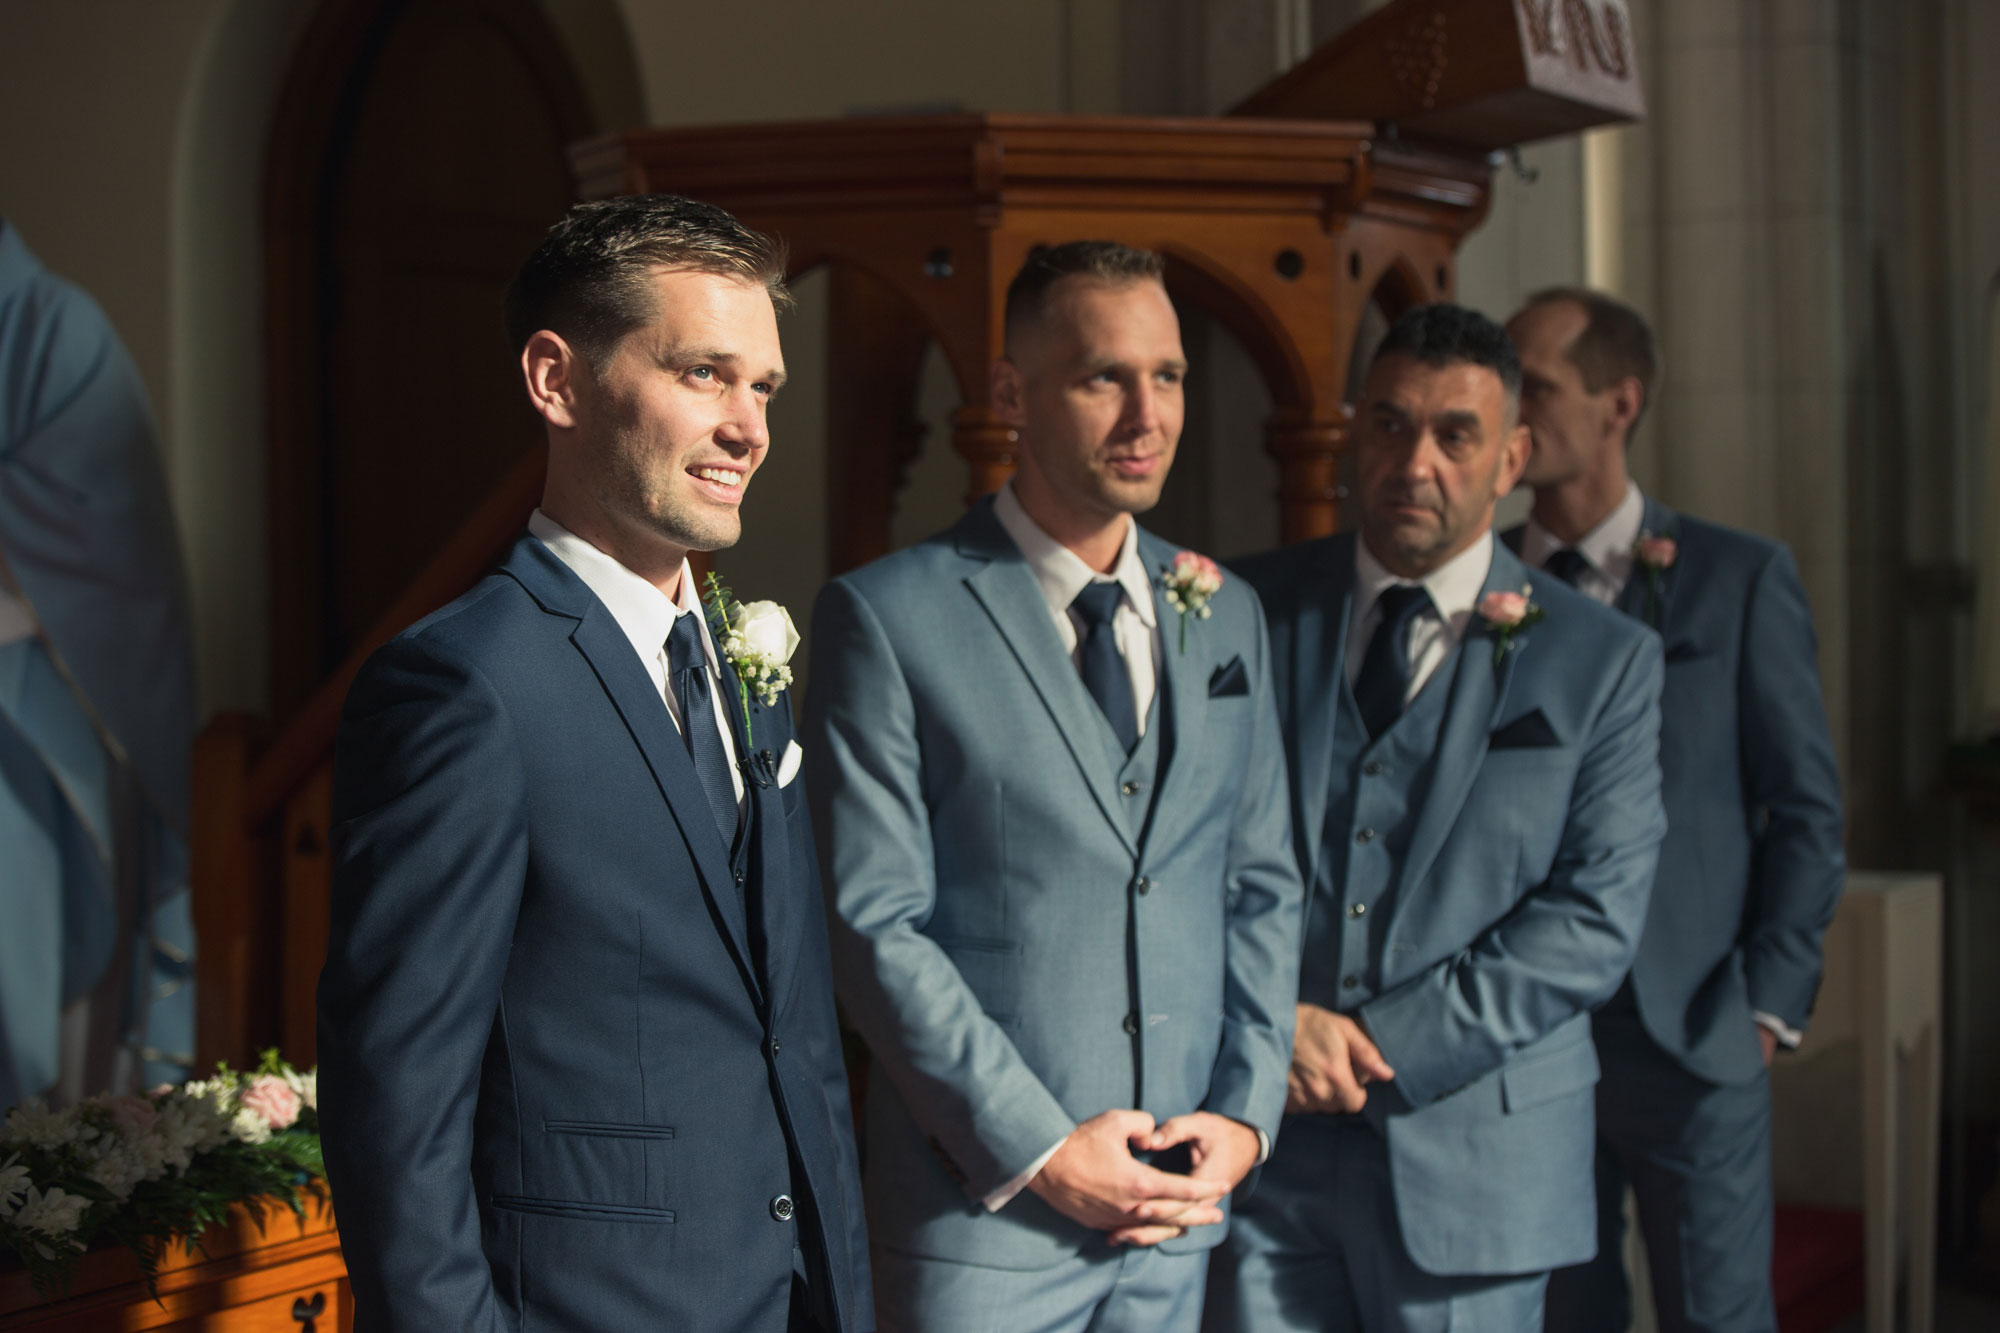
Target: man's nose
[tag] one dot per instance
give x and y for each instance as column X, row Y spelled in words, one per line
column 745, row 424
column 1142, row 409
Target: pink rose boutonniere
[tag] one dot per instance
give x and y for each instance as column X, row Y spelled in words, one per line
column 1189, row 582
column 1506, row 614
column 1656, row 556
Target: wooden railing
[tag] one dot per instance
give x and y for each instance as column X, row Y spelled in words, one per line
column 261, row 872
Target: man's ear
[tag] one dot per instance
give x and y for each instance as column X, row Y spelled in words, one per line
column 1006, row 390
column 1514, row 457
column 1628, row 399
column 554, row 374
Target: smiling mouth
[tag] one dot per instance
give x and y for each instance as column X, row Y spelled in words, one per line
column 726, row 480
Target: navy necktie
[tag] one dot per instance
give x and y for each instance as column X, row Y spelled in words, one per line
column 1384, row 680
column 1104, row 673
column 687, row 672
column 1567, row 564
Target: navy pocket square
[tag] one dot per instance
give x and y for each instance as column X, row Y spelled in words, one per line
column 1530, row 731
column 1684, row 652
column 1229, row 679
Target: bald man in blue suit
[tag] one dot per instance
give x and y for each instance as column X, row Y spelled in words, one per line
column 1476, row 810
column 1752, row 866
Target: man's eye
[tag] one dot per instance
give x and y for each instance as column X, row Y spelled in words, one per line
column 702, row 373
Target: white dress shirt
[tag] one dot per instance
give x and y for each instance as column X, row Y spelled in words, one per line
column 647, row 616
column 1061, row 575
column 1607, row 547
column 1454, row 587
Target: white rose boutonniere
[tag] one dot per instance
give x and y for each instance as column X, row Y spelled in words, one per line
column 759, row 639
column 1189, row 582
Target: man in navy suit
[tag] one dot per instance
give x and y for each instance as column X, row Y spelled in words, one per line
column 579, row 1066
column 1752, row 865
column 1053, row 810
column 1476, row 810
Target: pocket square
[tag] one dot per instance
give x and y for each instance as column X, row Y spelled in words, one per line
column 1229, row 678
column 1530, row 731
column 788, row 767
column 1684, row 652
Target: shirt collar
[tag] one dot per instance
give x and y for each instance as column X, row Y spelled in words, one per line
column 1608, row 546
column 1061, row 573
column 646, row 614
column 1454, row 586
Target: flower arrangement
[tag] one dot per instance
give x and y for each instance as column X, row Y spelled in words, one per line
column 1506, row 614
column 1655, row 555
column 1188, row 583
column 147, row 1171
column 758, row 638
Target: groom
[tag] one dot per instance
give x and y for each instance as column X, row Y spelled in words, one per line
column 579, row 1068
column 1053, row 813
column 1476, row 805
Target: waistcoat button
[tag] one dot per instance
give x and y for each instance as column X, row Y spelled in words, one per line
column 1359, row 909
column 1131, row 1025
column 1365, row 835
column 781, row 1208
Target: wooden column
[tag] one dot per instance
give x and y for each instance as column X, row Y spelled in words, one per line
column 1308, row 450
column 988, row 445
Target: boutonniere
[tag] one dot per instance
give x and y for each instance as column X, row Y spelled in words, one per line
column 1506, row 614
column 1189, row 582
column 758, row 639
column 1656, row 556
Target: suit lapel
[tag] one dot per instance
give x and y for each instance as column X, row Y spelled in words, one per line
column 1007, row 591
column 1182, row 688
column 603, row 644
column 1478, row 692
column 1325, row 594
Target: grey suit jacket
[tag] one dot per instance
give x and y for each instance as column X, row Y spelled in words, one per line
column 1015, row 957
column 1752, row 866
column 1515, row 905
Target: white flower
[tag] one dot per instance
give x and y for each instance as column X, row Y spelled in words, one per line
column 306, row 1085
column 53, row 1215
column 37, row 1126
column 250, row 1126
column 14, row 1182
column 767, row 631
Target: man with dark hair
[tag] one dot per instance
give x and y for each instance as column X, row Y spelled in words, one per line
column 579, row 1065
column 1050, row 791
column 1476, row 814
column 1751, row 868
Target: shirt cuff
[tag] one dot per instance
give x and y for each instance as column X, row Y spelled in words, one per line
column 1003, row 1196
column 1788, row 1036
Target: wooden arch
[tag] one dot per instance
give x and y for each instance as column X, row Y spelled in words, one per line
column 1280, row 229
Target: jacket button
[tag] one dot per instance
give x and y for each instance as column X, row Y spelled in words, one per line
column 1373, row 768
column 1131, row 1025
column 781, row 1208
column 739, row 879
column 1359, row 909
column 1365, row 835
column 1144, row 886
column 1129, row 788
column 1349, row 982
column 775, row 1048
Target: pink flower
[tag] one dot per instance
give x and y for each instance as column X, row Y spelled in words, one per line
column 1503, row 610
column 1656, row 552
column 133, row 1115
column 1197, row 574
column 273, row 1099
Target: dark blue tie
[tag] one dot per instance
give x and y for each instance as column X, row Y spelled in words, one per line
column 1567, row 564
column 1384, row 681
column 1104, row 673
column 687, row 670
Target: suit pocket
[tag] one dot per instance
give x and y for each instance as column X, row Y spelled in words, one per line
column 605, row 1164
column 607, row 1129
column 1544, row 1078
column 992, row 971
column 582, row 1212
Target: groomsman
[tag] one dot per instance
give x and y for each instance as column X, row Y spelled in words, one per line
column 1050, row 792
column 1476, row 809
column 1752, row 864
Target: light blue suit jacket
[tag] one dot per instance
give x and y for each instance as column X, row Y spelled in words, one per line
column 1518, row 902
column 1015, row 958
column 1752, row 866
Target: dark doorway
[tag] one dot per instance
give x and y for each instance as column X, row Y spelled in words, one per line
column 416, row 160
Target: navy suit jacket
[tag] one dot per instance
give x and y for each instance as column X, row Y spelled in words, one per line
column 571, row 1051
column 1752, row 867
column 1512, row 910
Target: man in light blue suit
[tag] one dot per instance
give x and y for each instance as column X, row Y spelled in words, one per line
column 1752, row 865
column 1476, row 809
column 1052, row 812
